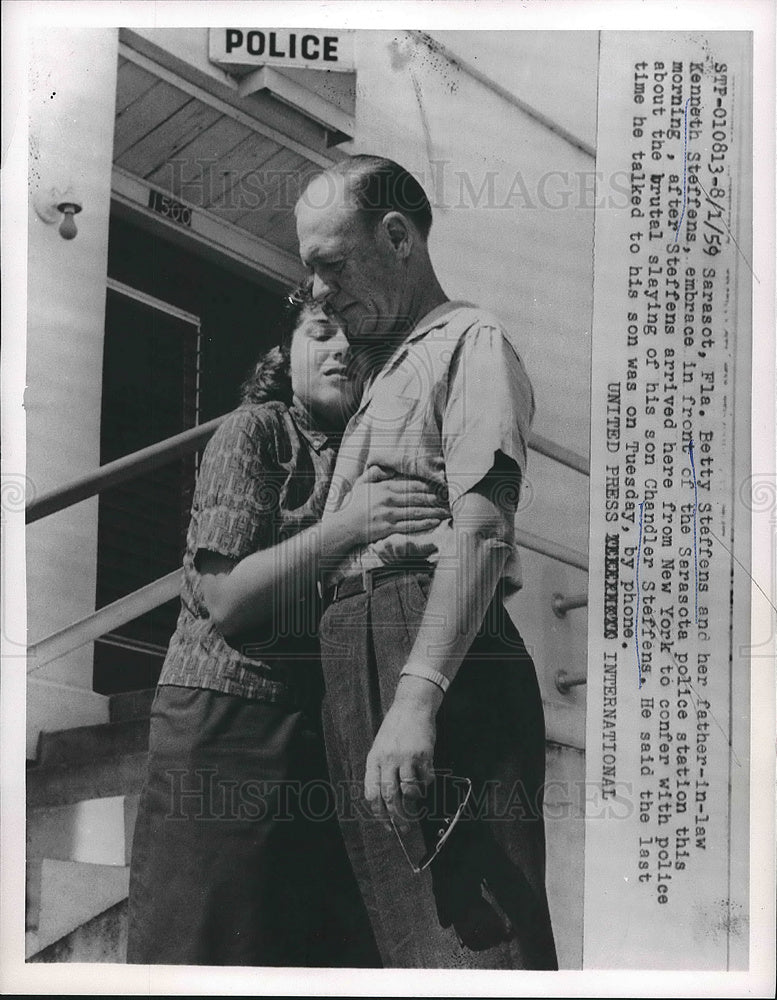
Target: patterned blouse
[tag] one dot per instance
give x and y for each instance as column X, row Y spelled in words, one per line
column 263, row 477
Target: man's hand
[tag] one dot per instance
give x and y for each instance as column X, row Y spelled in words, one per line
column 399, row 765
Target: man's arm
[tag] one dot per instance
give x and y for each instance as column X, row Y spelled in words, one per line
column 400, row 761
column 244, row 594
column 488, row 408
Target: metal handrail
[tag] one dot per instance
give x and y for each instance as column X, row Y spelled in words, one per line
column 564, row 456
column 128, row 608
column 155, row 455
column 111, row 617
column 127, row 467
column 563, row 604
column 566, row 681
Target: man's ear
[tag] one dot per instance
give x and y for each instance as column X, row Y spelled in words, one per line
column 399, row 233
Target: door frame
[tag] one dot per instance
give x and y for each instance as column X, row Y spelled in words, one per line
column 190, row 319
column 221, row 242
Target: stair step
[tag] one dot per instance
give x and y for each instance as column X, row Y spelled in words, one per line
column 84, row 743
column 101, row 939
column 32, row 899
column 63, row 895
column 62, row 784
column 131, row 705
column 52, row 706
column 98, row 831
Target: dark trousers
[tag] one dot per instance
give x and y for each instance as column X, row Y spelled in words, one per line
column 237, row 857
column 482, row 902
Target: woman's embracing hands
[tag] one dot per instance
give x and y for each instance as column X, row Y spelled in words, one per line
column 382, row 504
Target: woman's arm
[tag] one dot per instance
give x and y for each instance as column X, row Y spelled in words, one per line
column 241, row 595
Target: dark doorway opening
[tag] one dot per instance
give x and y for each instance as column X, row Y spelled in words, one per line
column 181, row 335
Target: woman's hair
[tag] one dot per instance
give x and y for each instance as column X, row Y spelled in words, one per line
column 270, row 381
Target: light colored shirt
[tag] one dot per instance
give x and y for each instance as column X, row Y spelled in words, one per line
column 452, row 395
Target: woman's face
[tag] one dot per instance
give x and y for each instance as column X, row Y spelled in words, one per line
column 321, row 380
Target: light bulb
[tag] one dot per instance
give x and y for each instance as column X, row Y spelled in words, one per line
column 67, row 228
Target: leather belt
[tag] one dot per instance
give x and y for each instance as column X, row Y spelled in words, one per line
column 366, row 581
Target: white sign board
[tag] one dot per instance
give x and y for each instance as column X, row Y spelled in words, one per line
column 301, row 48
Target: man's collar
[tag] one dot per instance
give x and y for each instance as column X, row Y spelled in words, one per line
column 430, row 321
column 434, row 318
column 437, row 317
column 317, row 439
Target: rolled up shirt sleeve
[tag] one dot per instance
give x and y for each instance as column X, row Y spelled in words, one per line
column 237, row 498
column 489, row 409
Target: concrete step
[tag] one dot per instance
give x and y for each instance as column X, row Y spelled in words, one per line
column 131, row 705
column 98, row 831
column 52, row 706
column 64, row 895
column 85, row 743
column 101, row 939
column 102, row 777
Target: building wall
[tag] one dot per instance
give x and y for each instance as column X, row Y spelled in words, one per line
column 72, row 97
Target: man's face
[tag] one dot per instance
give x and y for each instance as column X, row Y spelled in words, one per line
column 355, row 269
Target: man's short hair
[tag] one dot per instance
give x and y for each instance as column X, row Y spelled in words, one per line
column 379, row 185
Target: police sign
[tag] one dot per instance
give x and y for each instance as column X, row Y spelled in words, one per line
column 303, row 48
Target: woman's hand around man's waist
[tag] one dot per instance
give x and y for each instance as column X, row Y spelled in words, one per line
column 381, row 504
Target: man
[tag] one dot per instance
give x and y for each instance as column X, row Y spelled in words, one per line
column 429, row 686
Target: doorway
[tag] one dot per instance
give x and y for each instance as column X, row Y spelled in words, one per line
column 181, row 335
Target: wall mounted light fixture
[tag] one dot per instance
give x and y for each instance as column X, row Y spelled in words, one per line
column 53, row 205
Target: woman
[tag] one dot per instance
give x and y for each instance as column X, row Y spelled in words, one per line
column 237, row 859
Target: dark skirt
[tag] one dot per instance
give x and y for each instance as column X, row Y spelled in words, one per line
column 482, row 902
column 237, row 858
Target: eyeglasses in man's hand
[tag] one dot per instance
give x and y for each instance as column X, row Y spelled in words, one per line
column 443, row 831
